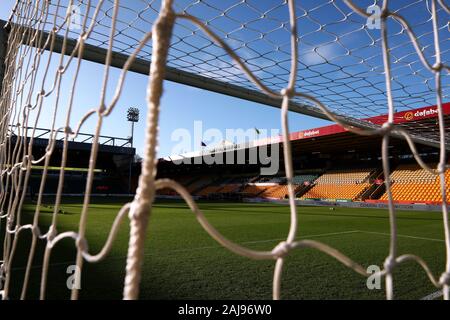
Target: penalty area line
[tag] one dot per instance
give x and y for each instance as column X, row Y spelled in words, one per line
column 433, row 295
column 402, row 236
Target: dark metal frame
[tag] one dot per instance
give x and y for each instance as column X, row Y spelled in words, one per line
column 86, row 138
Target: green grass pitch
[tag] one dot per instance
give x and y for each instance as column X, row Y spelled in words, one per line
column 183, row 262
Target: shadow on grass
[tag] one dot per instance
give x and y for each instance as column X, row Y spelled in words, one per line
column 103, row 280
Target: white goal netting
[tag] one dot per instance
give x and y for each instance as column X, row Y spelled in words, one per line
column 330, row 59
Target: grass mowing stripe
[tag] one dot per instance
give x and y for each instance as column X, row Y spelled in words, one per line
column 254, row 242
column 215, row 273
column 202, row 248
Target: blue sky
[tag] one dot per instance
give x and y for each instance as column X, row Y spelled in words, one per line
column 181, row 106
column 342, row 83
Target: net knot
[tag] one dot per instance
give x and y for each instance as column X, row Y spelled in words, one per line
column 82, row 244
column 387, row 126
column 27, row 161
column 51, row 234
column 445, row 279
column 36, row 231
column 438, row 66
column 67, row 130
column 281, row 249
column 10, row 230
column 287, row 92
column 384, row 13
column 389, row 264
column 133, row 213
column 441, row 168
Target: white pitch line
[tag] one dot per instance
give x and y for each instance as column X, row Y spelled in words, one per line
column 433, row 295
column 206, row 247
column 307, row 236
column 403, row 236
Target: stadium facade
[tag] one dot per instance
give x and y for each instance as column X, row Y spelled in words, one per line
column 115, row 164
column 332, row 165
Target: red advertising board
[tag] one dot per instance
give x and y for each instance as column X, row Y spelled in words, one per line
column 399, row 117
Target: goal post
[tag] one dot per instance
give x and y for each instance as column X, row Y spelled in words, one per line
column 3, row 51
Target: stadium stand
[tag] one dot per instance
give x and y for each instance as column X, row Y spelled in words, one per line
column 183, row 180
column 330, row 163
column 334, row 184
column 412, row 173
column 335, row 191
column 277, row 180
column 229, row 188
column 344, row 176
column 208, row 190
column 166, row 192
column 243, row 180
column 411, row 183
column 275, row 187
column 302, row 178
column 340, row 184
column 254, row 190
column 274, row 192
column 221, row 186
column 198, row 184
column 105, row 182
column 278, row 192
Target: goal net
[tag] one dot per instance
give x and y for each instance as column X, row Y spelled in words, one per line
column 344, row 61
